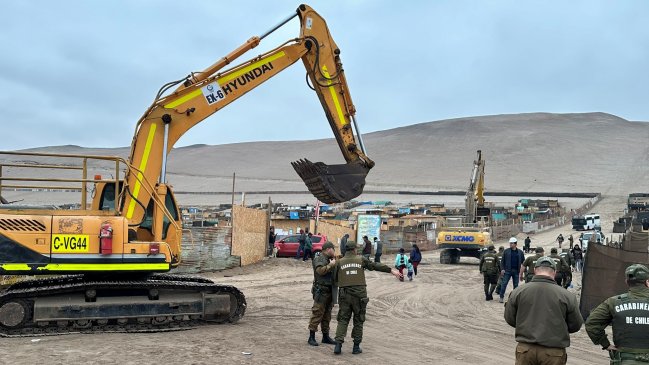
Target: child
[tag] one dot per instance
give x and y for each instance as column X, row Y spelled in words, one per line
column 402, row 262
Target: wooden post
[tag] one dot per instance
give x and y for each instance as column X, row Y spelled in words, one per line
column 234, row 176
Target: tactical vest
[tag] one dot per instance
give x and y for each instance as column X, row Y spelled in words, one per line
column 326, row 279
column 489, row 265
column 631, row 322
column 350, row 271
column 564, row 255
column 529, row 269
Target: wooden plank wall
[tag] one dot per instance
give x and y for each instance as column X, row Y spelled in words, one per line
column 249, row 238
column 207, row 249
column 334, row 232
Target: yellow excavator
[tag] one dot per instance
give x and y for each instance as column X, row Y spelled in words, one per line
column 106, row 264
column 472, row 237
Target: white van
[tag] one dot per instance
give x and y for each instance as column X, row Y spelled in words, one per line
column 586, row 237
column 586, row 222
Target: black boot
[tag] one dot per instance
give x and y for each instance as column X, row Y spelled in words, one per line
column 486, row 296
column 357, row 348
column 326, row 339
column 339, row 348
column 312, row 340
column 490, row 296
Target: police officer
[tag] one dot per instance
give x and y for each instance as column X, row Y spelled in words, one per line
column 501, row 249
column 490, row 268
column 349, row 276
column 527, row 269
column 628, row 314
column 570, row 260
column 561, row 264
column 544, row 315
column 324, row 264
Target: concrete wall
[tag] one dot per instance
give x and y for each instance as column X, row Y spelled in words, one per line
column 249, row 239
column 334, row 232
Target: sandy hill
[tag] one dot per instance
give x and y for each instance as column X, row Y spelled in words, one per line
column 589, row 152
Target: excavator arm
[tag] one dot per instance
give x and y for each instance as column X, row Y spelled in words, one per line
column 205, row 93
column 475, row 202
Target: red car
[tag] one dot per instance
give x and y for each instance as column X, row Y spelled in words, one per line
column 287, row 246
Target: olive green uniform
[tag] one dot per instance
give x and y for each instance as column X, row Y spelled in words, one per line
column 349, row 276
column 631, row 339
column 499, row 255
column 567, row 275
column 528, row 266
column 562, row 267
column 543, row 315
column 490, row 269
column 322, row 294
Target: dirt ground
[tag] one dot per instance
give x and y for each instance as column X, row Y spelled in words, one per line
column 438, row 318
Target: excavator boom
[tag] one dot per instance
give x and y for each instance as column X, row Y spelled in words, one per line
column 205, row 93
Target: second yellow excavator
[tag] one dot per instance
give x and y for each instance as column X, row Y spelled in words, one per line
column 106, row 254
column 473, row 236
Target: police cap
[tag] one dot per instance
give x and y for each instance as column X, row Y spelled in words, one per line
column 637, row 273
column 539, row 250
column 328, row 245
column 351, row 245
column 553, row 250
column 491, row 247
column 545, row 261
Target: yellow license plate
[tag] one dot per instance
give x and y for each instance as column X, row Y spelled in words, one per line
column 70, row 243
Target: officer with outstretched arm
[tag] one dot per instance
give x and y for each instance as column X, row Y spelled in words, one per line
column 349, row 275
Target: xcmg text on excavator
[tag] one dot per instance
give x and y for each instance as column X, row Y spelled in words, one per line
column 108, row 262
column 472, row 237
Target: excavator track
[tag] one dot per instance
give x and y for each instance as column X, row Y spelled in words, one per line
column 79, row 304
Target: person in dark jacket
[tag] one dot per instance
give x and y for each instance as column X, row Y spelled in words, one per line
column 544, row 314
column 627, row 315
column 367, row 247
column 343, row 244
column 301, row 241
column 271, row 240
column 501, row 250
column 510, row 266
column 578, row 254
column 528, row 243
column 415, row 257
column 378, row 249
column 308, row 247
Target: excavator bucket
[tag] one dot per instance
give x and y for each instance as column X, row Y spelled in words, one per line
column 332, row 183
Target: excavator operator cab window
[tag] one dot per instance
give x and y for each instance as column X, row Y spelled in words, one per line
column 107, row 200
column 170, row 204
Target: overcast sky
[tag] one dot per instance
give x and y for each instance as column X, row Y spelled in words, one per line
column 83, row 72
